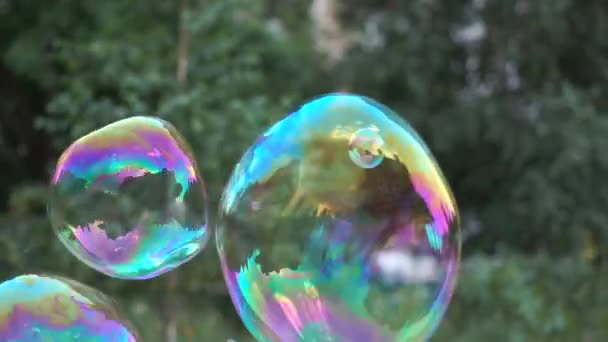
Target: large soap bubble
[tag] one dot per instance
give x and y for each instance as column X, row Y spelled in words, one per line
column 338, row 225
column 44, row 308
column 128, row 199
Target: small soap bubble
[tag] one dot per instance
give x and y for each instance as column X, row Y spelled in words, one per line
column 365, row 148
column 47, row 308
column 128, row 200
column 338, row 225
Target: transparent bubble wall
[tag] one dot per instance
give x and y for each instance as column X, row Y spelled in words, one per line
column 49, row 308
column 128, row 200
column 338, row 225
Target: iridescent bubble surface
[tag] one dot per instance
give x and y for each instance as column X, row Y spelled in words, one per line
column 128, row 199
column 338, row 225
column 365, row 148
column 43, row 308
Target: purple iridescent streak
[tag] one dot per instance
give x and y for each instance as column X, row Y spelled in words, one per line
column 143, row 145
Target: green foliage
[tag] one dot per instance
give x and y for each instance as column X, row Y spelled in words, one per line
column 527, row 298
column 514, row 112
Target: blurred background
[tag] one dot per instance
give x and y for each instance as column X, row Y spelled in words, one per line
column 510, row 95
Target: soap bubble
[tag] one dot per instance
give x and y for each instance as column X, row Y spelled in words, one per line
column 128, row 201
column 338, row 225
column 45, row 308
column 365, row 148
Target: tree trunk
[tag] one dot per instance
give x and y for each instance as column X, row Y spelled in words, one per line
column 171, row 308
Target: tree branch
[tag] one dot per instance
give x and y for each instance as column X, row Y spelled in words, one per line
column 182, row 45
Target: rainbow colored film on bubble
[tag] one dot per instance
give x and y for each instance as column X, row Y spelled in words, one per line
column 364, row 220
column 128, row 148
column 141, row 248
column 128, row 201
column 41, row 308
